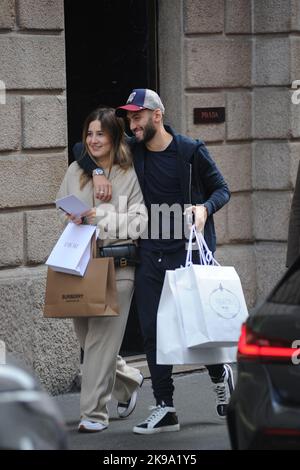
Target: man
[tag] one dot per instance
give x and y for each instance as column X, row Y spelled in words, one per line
column 172, row 169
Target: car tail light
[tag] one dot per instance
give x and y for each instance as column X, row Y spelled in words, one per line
column 252, row 345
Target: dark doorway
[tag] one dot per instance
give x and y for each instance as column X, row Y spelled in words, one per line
column 111, row 47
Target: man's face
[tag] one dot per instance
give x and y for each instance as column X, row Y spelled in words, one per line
column 141, row 125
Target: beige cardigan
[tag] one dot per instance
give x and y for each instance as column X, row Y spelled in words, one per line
column 117, row 219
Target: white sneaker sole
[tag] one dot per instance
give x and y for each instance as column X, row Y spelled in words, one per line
column 174, row 427
column 125, row 412
column 91, row 427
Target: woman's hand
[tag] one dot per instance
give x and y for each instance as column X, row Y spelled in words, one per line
column 86, row 217
column 90, row 216
column 102, row 188
column 74, row 218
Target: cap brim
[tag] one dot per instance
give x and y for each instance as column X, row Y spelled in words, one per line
column 122, row 110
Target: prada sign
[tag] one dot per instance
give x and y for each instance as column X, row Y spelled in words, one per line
column 209, row 115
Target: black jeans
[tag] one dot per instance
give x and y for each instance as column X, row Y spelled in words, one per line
column 149, row 278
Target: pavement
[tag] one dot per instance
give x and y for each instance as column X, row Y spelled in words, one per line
column 201, row 428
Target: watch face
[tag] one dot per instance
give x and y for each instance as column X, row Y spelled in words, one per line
column 98, row 171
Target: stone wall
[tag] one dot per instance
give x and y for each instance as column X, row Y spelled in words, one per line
column 33, row 157
column 243, row 55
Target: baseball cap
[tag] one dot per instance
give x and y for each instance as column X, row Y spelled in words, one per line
column 141, row 98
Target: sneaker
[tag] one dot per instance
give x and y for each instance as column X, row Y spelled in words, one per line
column 162, row 419
column 125, row 409
column 90, row 426
column 223, row 390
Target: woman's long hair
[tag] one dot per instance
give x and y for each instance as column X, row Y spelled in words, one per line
column 120, row 153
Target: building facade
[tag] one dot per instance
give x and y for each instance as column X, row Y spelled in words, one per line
column 241, row 55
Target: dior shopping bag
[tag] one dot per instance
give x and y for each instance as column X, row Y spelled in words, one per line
column 72, row 251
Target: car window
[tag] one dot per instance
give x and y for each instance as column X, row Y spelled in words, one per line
column 288, row 290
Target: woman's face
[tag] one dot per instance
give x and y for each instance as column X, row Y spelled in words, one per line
column 98, row 141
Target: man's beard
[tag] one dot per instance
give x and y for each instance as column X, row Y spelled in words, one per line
column 149, row 132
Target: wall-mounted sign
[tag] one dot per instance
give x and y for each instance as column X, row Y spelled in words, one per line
column 209, row 115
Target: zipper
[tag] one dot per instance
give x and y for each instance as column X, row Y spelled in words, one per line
column 190, row 184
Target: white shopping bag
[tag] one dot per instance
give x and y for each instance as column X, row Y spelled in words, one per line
column 211, row 299
column 171, row 343
column 72, row 252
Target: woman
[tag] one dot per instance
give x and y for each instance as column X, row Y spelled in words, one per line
column 104, row 372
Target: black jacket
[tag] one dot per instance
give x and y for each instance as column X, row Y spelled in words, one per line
column 201, row 181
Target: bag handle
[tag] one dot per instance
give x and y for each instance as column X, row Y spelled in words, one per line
column 208, row 256
column 205, row 255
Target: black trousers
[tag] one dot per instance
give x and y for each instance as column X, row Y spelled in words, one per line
column 149, row 278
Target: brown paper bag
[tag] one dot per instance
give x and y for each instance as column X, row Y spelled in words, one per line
column 95, row 294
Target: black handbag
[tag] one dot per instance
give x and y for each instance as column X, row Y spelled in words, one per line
column 124, row 255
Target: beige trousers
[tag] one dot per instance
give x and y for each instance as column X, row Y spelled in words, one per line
column 104, row 372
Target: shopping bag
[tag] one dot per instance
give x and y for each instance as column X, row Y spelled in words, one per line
column 93, row 295
column 171, row 342
column 211, row 300
column 72, row 251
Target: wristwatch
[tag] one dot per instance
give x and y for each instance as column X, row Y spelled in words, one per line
column 98, row 171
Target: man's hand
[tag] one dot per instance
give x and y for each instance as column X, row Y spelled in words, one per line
column 102, row 188
column 200, row 216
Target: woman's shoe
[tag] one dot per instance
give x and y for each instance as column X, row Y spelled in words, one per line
column 90, row 426
column 125, row 409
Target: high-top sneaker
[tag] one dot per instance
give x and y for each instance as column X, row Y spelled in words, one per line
column 162, row 419
column 223, row 390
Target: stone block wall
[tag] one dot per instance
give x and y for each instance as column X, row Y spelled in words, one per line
column 275, row 157
column 33, row 156
column 243, row 55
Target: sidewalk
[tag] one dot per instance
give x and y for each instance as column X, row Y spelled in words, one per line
column 194, row 400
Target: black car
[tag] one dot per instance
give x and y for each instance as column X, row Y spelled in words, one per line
column 30, row 419
column 264, row 410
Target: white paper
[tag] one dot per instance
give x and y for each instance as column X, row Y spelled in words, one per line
column 72, row 205
column 72, row 252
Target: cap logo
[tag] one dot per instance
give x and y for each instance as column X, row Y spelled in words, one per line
column 131, row 97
